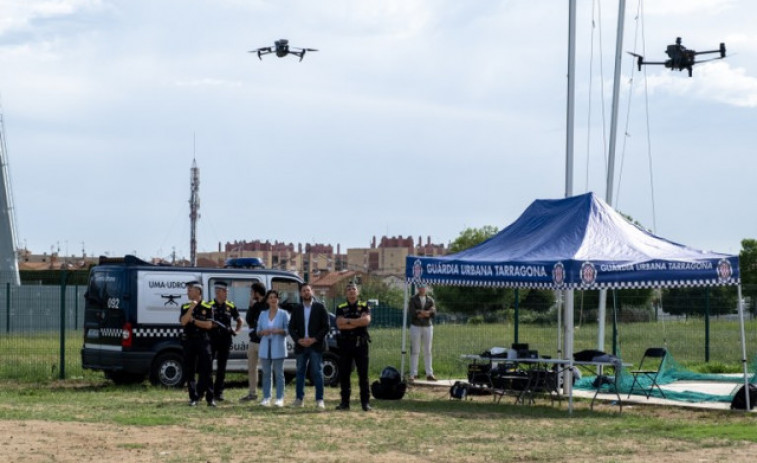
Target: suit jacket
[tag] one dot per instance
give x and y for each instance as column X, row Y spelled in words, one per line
column 416, row 308
column 318, row 327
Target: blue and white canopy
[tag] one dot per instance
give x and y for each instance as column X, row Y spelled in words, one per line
column 575, row 243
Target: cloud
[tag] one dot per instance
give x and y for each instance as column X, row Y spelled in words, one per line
column 716, row 81
column 208, row 82
column 20, row 15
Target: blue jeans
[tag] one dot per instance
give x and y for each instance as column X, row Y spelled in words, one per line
column 316, row 372
column 278, row 370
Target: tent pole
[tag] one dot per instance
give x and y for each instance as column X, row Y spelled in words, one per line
column 743, row 350
column 517, row 317
column 601, row 319
column 560, row 308
column 404, row 332
column 568, row 374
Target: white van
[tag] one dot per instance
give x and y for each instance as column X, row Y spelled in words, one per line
column 131, row 316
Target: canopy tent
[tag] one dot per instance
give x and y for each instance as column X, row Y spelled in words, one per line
column 578, row 242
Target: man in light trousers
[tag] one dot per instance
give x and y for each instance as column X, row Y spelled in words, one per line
column 422, row 310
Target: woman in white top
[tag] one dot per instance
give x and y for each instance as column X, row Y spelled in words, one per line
column 273, row 326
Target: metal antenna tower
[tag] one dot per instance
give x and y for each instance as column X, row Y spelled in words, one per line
column 194, row 211
column 8, row 258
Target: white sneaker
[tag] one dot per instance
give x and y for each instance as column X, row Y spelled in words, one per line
column 320, row 405
column 298, row 403
column 265, row 403
column 279, row 402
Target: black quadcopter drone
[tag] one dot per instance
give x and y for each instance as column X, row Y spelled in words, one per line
column 281, row 48
column 681, row 57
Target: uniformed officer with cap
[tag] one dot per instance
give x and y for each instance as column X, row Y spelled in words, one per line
column 224, row 312
column 352, row 319
column 197, row 319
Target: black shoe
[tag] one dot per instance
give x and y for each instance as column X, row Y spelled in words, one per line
column 192, row 403
column 343, row 406
column 367, row 407
column 212, row 403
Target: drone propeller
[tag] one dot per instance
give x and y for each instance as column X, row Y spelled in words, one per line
column 639, row 59
column 709, row 59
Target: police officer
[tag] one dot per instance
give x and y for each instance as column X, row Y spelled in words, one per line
column 352, row 319
column 224, row 313
column 197, row 319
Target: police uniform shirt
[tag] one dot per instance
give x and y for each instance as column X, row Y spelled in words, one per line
column 202, row 312
column 225, row 313
column 353, row 311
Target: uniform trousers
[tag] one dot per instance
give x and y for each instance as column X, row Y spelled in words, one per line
column 198, row 361
column 354, row 352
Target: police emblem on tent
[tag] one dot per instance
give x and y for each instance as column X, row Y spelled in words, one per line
column 588, row 273
column 417, row 270
column 558, row 274
column 724, row 270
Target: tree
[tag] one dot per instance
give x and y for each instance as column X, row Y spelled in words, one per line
column 539, row 300
column 693, row 301
column 466, row 299
column 471, row 237
column 372, row 287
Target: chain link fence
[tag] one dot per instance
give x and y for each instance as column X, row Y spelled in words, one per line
column 41, row 331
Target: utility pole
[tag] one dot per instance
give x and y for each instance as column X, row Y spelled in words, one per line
column 194, row 211
column 8, row 259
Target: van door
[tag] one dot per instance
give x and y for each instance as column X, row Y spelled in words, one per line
column 104, row 318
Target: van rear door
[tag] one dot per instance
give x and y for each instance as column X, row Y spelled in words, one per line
column 104, row 319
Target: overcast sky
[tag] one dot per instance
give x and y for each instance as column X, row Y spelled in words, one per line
column 415, row 117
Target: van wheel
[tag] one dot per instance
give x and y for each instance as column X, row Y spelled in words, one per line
column 167, row 370
column 330, row 369
column 122, row 377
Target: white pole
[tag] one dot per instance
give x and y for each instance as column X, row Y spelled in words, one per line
column 404, row 332
column 568, row 295
column 571, row 98
column 602, row 310
column 743, row 349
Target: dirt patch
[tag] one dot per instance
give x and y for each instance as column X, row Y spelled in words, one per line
column 40, row 441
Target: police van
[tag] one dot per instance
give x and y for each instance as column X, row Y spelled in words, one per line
column 131, row 316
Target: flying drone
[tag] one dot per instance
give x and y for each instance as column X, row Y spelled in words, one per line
column 281, row 48
column 681, row 57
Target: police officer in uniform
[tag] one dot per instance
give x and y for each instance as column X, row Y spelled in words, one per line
column 224, row 313
column 197, row 319
column 352, row 319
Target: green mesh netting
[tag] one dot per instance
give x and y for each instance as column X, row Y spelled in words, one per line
column 670, row 372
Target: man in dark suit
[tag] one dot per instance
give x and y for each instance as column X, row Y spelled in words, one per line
column 308, row 328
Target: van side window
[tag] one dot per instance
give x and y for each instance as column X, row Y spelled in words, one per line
column 289, row 292
column 238, row 291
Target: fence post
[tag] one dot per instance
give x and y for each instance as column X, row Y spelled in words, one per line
column 707, row 324
column 62, row 368
column 76, row 307
column 7, row 307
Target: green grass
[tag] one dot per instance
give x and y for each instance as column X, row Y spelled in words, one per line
column 35, row 357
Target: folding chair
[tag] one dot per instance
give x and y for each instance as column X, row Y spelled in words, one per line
column 656, row 355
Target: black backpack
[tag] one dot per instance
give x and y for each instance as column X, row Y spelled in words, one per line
column 459, row 390
column 739, row 399
column 389, row 386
